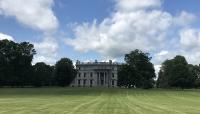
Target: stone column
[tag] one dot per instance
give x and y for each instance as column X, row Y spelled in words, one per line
column 104, row 79
column 97, row 78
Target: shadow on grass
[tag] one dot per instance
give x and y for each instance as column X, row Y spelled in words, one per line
column 73, row 91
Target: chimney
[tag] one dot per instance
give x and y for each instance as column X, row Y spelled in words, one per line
column 110, row 61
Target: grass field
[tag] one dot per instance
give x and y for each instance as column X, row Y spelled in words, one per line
column 98, row 101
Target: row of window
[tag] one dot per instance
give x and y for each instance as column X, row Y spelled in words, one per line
column 91, row 75
column 84, row 82
column 79, row 75
column 91, row 82
column 81, row 68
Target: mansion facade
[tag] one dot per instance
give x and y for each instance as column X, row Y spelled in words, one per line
column 96, row 74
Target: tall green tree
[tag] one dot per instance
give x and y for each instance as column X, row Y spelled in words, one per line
column 64, row 72
column 176, row 73
column 22, row 63
column 195, row 71
column 43, row 74
column 164, row 74
column 2, row 69
column 125, row 76
column 15, row 63
column 140, row 70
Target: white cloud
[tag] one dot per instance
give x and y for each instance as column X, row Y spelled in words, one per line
column 47, row 50
column 190, row 44
column 5, row 36
column 48, row 46
column 184, row 19
column 134, row 24
column 132, row 5
column 190, row 39
column 125, row 30
column 45, row 59
column 139, row 24
column 36, row 14
column 192, row 57
column 163, row 55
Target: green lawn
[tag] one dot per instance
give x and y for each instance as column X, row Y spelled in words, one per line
column 98, row 101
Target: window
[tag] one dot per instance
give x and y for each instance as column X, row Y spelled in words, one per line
column 91, row 82
column 84, row 75
column 113, row 83
column 84, row 82
column 79, row 74
column 113, row 75
column 79, row 82
column 91, row 74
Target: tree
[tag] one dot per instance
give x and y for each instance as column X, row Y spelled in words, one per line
column 6, row 49
column 64, row 72
column 195, row 71
column 2, row 69
column 15, row 63
column 42, row 74
column 164, row 74
column 176, row 73
column 125, row 78
column 22, row 63
column 140, row 70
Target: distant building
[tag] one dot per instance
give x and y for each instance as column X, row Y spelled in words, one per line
column 96, row 74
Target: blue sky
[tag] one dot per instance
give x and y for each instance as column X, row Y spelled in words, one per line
column 104, row 29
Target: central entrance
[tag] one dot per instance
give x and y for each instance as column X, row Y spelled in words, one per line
column 103, row 77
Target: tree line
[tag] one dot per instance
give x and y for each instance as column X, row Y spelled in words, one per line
column 138, row 72
column 177, row 73
column 16, row 69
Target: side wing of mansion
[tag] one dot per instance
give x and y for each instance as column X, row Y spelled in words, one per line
column 96, row 74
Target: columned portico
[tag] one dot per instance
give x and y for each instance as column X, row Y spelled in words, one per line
column 102, row 78
column 91, row 74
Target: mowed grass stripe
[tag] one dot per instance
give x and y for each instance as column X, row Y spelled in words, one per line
column 143, row 107
column 178, row 101
column 84, row 106
column 98, row 101
column 131, row 109
column 148, row 106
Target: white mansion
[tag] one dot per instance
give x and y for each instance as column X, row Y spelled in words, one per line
column 96, row 74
